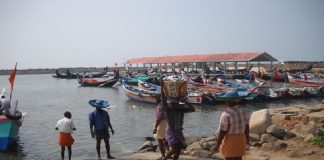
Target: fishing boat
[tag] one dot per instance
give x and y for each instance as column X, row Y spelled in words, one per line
column 93, row 82
column 134, row 80
column 149, row 87
column 233, row 94
column 68, row 75
column 139, row 94
column 9, row 127
column 305, row 83
column 194, row 97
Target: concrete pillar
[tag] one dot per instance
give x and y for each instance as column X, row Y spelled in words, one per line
column 224, row 67
column 235, row 63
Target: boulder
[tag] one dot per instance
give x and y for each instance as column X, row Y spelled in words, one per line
column 211, row 138
column 317, row 117
column 289, row 135
column 267, row 138
column 308, row 137
column 218, row 156
column 280, row 144
column 254, row 137
column 256, row 144
column 276, row 131
column 304, row 130
column 193, row 147
column 260, row 121
column 208, row 145
column 267, row 146
column 302, row 152
column 189, row 139
column 202, row 154
column 146, row 145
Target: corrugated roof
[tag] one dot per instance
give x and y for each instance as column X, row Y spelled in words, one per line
column 251, row 56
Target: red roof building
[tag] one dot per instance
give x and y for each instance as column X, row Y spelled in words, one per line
column 225, row 57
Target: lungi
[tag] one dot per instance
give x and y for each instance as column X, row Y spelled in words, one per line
column 174, row 136
column 233, row 145
column 65, row 139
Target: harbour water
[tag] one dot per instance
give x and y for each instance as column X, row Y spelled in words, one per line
column 46, row 99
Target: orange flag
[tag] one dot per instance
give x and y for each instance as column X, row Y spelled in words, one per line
column 12, row 77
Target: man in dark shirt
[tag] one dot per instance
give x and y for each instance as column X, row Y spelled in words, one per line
column 99, row 126
column 174, row 112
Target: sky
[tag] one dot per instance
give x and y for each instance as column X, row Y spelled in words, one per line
column 99, row 33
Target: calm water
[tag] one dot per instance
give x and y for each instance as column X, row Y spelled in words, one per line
column 46, row 99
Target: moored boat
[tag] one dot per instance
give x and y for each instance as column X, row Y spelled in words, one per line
column 140, row 95
column 8, row 132
column 92, row 82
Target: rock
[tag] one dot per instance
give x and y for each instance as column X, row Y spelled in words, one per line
column 302, row 152
column 193, row 147
column 308, row 137
column 254, row 137
column 267, row 146
column 317, row 117
column 304, row 130
column 208, row 145
column 256, row 144
column 322, row 101
column 267, row 138
column 203, row 140
column 211, row 138
column 260, row 121
column 289, row 135
column 218, row 156
column 276, row 131
column 280, row 144
column 147, row 144
column 319, row 132
column 189, row 139
column 202, row 154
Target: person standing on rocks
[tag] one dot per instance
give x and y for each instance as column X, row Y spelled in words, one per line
column 233, row 132
column 174, row 112
column 159, row 128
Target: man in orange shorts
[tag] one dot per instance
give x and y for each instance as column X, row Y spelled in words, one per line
column 233, row 132
column 65, row 127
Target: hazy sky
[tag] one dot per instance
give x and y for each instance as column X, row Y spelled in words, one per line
column 97, row 33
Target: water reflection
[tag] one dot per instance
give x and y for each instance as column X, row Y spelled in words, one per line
column 14, row 152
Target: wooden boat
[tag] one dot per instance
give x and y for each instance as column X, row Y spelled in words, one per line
column 94, row 74
column 134, row 80
column 306, row 83
column 234, row 94
column 8, row 132
column 139, row 95
column 92, row 82
column 9, row 127
column 68, row 75
column 149, row 87
column 194, row 97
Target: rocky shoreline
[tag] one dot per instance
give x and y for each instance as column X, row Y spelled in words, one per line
column 280, row 133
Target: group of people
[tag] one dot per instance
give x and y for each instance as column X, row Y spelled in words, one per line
column 233, row 131
column 99, row 129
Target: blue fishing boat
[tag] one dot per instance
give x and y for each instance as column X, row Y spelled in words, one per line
column 8, row 132
column 140, row 95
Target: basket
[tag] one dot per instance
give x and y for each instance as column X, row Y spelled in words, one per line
column 175, row 88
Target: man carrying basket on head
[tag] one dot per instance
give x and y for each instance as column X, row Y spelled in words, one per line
column 174, row 112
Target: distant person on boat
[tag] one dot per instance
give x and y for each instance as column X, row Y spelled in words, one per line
column 174, row 112
column 233, row 132
column 65, row 127
column 116, row 73
column 4, row 105
column 183, row 75
column 159, row 129
column 99, row 129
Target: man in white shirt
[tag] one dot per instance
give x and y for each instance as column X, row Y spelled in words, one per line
column 65, row 127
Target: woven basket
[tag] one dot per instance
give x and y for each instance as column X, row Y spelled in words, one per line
column 175, row 89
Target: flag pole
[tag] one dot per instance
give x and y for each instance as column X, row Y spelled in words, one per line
column 11, row 80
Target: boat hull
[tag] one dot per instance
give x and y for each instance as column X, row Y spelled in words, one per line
column 8, row 132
